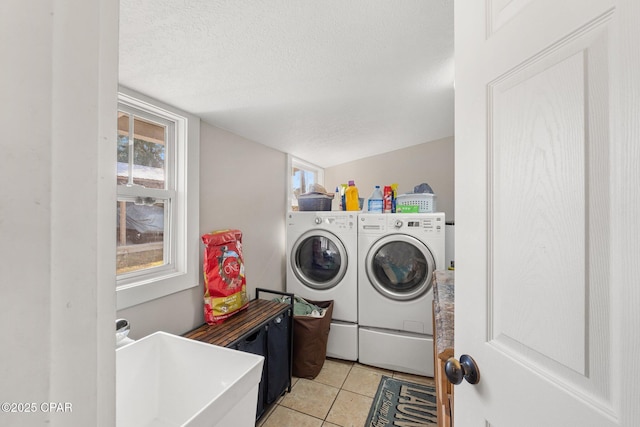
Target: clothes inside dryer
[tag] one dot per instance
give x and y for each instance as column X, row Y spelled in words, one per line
column 399, row 266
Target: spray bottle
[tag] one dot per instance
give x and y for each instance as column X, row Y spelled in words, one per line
column 394, row 194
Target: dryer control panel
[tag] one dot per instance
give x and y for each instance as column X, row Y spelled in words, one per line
column 428, row 224
column 432, row 223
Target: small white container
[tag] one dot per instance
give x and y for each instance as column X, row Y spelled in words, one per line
column 426, row 202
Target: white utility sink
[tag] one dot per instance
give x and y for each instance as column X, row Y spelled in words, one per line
column 167, row 380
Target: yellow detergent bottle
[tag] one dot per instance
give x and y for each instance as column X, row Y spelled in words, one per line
column 351, row 196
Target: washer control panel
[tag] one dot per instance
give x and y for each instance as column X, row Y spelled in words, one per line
column 344, row 222
column 328, row 220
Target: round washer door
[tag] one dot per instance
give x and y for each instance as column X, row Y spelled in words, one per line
column 319, row 259
column 400, row 267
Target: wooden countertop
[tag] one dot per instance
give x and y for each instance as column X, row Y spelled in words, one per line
column 225, row 333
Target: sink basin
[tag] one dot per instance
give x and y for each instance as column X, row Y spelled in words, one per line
column 168, row 380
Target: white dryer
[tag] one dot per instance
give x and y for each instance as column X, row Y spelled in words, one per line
column 397, row 256
column 322, row 265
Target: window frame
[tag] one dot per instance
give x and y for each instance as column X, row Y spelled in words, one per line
column 297, row 163
column 168, row 194
column 181, row 246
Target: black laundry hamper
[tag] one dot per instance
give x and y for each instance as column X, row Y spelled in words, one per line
column 310, row 336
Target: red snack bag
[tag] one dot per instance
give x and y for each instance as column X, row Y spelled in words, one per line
column 224, row 281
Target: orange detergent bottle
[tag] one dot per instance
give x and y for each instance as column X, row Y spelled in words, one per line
column 351, row 196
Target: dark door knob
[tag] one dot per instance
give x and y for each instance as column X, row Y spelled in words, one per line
column 466, row 368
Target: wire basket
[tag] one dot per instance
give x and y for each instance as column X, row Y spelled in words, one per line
column 426, row 202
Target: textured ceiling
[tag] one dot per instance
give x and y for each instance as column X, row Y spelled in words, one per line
column 328, row 81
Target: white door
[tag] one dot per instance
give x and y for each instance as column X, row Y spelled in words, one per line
column 548, row 212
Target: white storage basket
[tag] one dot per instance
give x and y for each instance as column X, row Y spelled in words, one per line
column 426, row 202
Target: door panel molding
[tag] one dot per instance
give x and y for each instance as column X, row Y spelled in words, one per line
column 551, row 311
column 499, row 12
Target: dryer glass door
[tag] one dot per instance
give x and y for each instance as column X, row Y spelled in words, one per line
column 319, row 259
column 400, row 267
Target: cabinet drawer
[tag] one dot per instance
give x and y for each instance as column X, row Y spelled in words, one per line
column 279, row 353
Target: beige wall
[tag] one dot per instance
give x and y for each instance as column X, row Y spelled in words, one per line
column 242, row 186
column 431, row 162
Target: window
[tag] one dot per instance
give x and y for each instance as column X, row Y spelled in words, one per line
column 146, row 150
column 301, row 176
column 157, row 218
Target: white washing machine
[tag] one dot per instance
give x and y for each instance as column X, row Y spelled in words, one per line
column 397, row 254
column 322, row 250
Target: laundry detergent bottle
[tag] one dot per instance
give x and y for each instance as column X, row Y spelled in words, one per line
column 351, row 197
column 375, row 203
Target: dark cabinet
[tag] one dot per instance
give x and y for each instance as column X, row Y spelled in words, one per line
column 263, row 328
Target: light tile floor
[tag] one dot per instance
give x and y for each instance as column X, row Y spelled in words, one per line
column 340, row 396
